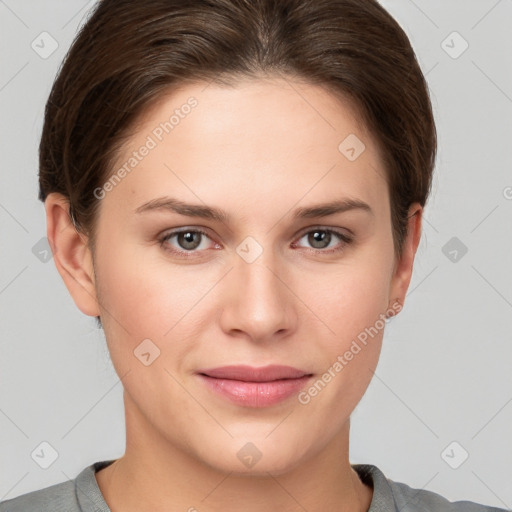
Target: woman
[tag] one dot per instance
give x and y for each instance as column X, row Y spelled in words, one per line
column 235, row 189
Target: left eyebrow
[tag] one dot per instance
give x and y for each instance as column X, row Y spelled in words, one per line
column 326, row 209
column 208, row 212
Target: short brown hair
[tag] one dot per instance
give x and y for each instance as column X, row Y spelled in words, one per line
column 129, row 52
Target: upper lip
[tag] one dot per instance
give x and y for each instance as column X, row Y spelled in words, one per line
column 251, row 374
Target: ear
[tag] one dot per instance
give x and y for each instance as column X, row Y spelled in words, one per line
column 402, row 272
column 71, row 254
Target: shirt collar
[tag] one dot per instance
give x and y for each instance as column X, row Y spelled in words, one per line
column 90, row 498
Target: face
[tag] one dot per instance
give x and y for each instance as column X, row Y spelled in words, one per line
column 272, row 245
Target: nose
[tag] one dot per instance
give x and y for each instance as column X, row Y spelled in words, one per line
column 257, row 303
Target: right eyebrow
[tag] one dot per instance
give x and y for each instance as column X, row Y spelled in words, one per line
column 190, row 210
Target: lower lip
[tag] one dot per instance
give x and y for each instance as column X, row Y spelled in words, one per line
column 255, row 394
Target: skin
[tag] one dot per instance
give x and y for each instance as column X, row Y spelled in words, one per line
column 259, row 151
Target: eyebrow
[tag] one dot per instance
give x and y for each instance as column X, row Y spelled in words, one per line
column 208, row 212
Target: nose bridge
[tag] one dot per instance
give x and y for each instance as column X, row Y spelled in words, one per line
column 260, row 303
column 260, row 281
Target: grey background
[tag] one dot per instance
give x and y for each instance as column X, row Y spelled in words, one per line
column 444, row 373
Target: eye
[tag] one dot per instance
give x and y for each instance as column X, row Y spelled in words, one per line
column 321, row 239
column 185, row 241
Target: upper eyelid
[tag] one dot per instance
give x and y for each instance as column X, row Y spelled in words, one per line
column 304, row 231
column 337, row 231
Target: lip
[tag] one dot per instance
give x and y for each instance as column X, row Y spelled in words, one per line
column 255, row 387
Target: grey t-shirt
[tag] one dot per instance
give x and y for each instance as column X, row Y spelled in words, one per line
column 83, row 495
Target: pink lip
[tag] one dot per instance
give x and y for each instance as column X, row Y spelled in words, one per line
column 255, row 387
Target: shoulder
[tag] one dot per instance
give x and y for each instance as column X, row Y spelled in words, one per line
column 56, row 498
column 81, row 494
column 421, row 500
column 393, row 496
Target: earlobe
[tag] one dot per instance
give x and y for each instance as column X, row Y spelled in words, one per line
column 71, row 254
column 404, row 266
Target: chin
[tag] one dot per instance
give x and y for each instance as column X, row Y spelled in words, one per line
column 258, row 457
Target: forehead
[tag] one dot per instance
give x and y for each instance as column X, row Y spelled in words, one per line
column 257, row 137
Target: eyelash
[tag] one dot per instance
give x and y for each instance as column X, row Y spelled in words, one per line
column 346, row 240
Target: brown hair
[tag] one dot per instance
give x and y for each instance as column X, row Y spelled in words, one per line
column 130, row 52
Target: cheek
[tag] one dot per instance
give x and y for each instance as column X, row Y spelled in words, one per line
column 350, row 297
column 137, row 292
column 351, row 303
column 143, row 298
column 354, row 309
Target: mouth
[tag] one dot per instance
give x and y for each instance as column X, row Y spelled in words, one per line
column 255, row 387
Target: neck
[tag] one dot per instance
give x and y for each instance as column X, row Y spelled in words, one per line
column 156, row 475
